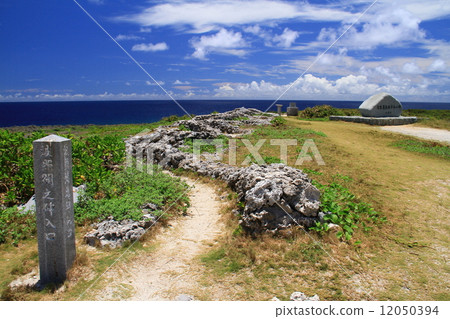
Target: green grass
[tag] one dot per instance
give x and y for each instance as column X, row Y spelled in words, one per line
column 299, row 134
column 121, row 195
column 423, row 147
column 431, row 118
column 271, row 153
column 223, row 261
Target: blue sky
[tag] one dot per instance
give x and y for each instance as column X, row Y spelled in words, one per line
column 265, row 49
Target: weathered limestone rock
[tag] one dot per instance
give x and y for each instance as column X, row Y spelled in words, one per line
column 276, row 196
column 28, row 281
column 114, row 233
column 184, row 297
column 381, row 105
column 300, row 296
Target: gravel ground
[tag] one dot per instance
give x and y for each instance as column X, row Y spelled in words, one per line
column 421, row 132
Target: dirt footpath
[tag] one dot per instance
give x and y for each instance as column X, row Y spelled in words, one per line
column 172, row 269
column 421, row 132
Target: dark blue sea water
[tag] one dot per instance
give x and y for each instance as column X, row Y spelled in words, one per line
column 127, row 112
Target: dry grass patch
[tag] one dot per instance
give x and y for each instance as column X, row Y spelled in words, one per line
column 404, row 259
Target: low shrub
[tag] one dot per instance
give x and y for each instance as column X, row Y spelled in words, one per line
column 319, row 111
column 16, row 226
column 278, row 121
column 324, row 111
column 122, row 195
column 16, row 167
column 94, row 157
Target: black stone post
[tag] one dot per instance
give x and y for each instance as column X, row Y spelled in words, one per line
column 52, row 157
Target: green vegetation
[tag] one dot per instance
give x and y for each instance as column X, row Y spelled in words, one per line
column 182, row 127
column 16, row 167
column 121, row 195
column 324, row 111
column 271, row 153
column 16, row 226
column 424, row 147
column 222, row 261
column 344, row 210
column 284, row 133
column 431, row 118
column 94, row 158
column 97, row 151
column 240, row 118
column 267, row 159
column 122, row 130
column 278, row 121
column 271, row 159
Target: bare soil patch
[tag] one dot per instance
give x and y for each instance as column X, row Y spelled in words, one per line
column 172, row 268
column 426, row 133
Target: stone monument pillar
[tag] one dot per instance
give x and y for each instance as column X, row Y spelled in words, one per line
column 279, row 106
column 292, row 109
column 381, row 105
column 52, row 157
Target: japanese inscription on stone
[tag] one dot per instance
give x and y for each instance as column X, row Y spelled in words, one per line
column 52, row 157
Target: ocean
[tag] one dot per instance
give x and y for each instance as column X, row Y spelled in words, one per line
column 134, row 112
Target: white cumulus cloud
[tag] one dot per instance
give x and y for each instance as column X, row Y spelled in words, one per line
column 178, row 82
column 437, row 66
column 150, row 47
column 391, row 27
column 151, row 83
column 411, row 68
column 224, row 41
column 424, row 10
column 126, row 37
column 211, row 15
column 287, row 38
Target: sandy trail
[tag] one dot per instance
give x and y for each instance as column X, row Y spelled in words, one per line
column 172, row 269
column 421, row 132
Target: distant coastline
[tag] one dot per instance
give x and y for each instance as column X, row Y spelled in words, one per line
column 130, row 112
